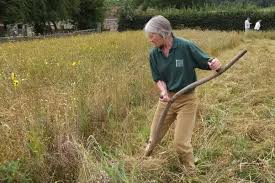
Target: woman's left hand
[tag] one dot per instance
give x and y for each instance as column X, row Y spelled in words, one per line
column 215, row 64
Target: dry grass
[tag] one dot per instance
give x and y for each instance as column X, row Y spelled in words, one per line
column 83, row 106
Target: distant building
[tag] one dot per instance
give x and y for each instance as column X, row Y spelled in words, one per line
column 110, row 24
column 62, row 26
column 26, row 30
column 111, row 21
column 19, row 29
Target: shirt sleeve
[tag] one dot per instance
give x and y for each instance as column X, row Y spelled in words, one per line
column 154, row 69
column 200, row 58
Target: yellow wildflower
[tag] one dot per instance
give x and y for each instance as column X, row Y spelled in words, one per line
column 13, row 76
column 75, row 63
column 15, row 82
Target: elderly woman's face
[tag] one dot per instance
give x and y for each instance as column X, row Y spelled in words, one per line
column 155, row 39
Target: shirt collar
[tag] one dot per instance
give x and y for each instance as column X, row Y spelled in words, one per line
column 173, row 46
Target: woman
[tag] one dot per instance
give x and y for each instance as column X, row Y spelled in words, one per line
column 173, row 61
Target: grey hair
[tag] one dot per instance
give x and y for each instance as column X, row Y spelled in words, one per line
column 160, row 25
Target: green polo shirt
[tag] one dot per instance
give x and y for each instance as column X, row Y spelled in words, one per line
column 178, row 69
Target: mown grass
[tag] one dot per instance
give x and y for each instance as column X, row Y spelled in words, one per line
column 81, row 109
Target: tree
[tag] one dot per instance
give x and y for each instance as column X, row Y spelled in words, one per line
column 2, row 10
column 12, row 11
column 166, row 4
column 90, row 12
column 42, row 13
column 58, row 10
column 162, row 4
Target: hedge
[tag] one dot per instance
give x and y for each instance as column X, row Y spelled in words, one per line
column 222, row 20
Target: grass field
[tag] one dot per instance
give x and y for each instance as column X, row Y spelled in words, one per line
column 78, row 109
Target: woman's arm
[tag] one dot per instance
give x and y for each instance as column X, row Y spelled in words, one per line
column 164, row 97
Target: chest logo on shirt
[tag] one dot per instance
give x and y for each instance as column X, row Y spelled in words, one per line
column 179, row 62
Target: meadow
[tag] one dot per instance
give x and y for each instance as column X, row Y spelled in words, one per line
column 79, row 109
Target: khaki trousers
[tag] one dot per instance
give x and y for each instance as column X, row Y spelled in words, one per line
column 183, row 111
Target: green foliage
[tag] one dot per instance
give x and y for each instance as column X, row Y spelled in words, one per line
column 90, row 12
column 12, row 10
column 212, row 20
column 13, row 172
column 110, row 3
column 241, row 147
column 251, row 173
column 42, row 13
column 128, row 9
column 162, row 4
column 116, row 171
column 179, row 4
column 35, row 144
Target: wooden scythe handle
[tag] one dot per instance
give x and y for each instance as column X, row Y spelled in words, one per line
column 186, row 89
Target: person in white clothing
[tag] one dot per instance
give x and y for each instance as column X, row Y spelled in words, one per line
column 247, row 24
column 258, row 25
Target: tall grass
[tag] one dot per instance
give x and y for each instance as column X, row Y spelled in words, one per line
column 81, row 108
